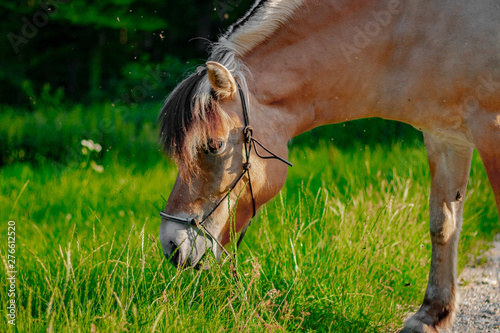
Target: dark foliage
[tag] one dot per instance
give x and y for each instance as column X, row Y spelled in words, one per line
column 94, row 50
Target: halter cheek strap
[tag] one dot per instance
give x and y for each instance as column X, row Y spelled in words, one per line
column 250, row 142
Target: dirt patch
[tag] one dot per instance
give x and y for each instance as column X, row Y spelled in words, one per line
column 480, row 294
column 479, row 285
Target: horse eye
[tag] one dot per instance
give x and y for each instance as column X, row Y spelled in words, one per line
column 215, row 147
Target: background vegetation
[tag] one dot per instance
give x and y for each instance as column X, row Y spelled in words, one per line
column 344, row 247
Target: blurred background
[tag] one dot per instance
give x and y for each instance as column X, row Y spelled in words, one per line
column 99, row 70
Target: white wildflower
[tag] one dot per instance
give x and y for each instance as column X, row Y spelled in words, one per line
column 96, row 167
column 91, row 145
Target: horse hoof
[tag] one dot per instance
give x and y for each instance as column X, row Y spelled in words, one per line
column 413, row 325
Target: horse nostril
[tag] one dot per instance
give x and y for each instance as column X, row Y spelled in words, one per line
column 173, row 253
column 174, row 259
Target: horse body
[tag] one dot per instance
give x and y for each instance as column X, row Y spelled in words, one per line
column 434, row 65
column 419, row 68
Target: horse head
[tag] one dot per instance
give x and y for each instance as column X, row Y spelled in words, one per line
column 220, row 184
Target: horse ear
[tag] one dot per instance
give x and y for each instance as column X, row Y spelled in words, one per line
column 221, row 79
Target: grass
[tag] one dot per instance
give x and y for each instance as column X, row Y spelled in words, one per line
column 343, row 248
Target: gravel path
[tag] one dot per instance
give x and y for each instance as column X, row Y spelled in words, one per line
column 480, row 294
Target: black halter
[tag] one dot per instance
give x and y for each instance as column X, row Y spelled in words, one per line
column 250, row 142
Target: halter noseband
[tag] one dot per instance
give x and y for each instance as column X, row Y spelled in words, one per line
column 250, row 142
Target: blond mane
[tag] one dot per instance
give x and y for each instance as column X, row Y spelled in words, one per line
column 259, row 23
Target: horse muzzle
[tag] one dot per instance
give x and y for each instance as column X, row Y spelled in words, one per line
column 185, row 245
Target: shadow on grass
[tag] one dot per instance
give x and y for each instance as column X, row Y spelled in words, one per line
column 323, row 319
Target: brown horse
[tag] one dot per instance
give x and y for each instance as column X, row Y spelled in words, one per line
column 304, row 63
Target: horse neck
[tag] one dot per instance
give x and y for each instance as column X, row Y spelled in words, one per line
column 303, row 75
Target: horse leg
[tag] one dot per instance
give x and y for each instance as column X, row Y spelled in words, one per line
column 450, row 167
column 486, row 136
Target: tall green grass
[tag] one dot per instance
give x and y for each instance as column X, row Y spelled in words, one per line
column 47, row 134
column 343, row 248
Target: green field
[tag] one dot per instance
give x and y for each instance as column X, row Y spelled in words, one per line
column 343, row 248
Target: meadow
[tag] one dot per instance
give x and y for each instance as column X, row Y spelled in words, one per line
column 344, row 247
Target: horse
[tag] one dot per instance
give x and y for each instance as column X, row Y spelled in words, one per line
column 289, row 66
